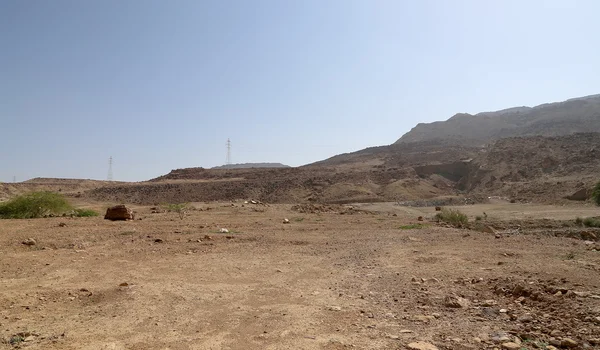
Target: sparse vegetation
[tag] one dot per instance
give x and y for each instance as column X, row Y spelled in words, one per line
column 412, row 227
column 591, row 222
column 453, row 217
column 16, row 340
column 478, row 218
column 181, row 209
column 35, row 205
column 82, row 213
column 570, row 256
column 41, row 204
column 588, row 222
column 596, row 194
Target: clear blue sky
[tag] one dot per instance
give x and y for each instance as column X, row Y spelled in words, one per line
column 161, row 84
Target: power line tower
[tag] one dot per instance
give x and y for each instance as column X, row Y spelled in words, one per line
column 228, row 159
column 110, row 173
column 14, row 179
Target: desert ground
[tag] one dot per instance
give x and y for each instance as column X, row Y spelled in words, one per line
column 369, row 276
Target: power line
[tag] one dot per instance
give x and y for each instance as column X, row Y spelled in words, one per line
column 110, row 172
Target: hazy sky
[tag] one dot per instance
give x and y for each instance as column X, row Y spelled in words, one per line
column 160, row 85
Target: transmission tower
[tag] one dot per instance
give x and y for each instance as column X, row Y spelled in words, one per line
column 228, row 159
column 110, row 173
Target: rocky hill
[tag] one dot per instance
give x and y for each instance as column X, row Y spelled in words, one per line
column 552, row 119
column 251, row 165
column 535, row 168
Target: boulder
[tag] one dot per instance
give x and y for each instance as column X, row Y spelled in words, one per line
column 581, row 195
column 119, row 212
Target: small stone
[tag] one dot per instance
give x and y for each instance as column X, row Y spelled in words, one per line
column 555, row 333
column 405, row 331
column 124, row 284
column 456, row 302
column 568, row 343
column 62, row 224
column 286, row 221
column 207, row 237
column 550, row 347
column 420, row 345
column 511, row 346
column 525, row 318
column 158, row 240
column 334, row 308
column 29, row 338
column 503, row 311
column 423, row 318
column 29, row 241
column 223, row 230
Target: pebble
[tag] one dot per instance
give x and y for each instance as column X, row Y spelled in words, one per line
column 422, row 318
column 525, row 318
column 29, row 241
column 286, row 221
column 453, row 301
column 422, row 346
column 224, row 230
column 511, row 346
column 334, row 308
column 568, row 343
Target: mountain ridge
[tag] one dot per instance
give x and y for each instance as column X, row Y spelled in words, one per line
column 580, row 114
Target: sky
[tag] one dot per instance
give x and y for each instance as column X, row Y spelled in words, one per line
column 161, row 85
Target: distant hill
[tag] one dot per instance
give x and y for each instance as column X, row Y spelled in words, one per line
column 553, row 119
column 251, row 165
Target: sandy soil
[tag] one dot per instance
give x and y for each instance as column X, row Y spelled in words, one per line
column 321, row 281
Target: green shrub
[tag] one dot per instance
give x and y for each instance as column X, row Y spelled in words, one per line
column 180, row 209
column 82, row 213
column 412, row 227
column 40, row 204
column 591, row 222
column 596, row 194
column 35, row 205
column 453, row 217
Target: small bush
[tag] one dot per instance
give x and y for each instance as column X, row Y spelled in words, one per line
column 412, row 227
column 591, row 222
column 35, row 205
column 596, row 194
column 478, row 218
column 579, row 221
column 180, row 209
column 453, row 217
column 83, row 213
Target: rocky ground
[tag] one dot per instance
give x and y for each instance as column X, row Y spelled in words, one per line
column 330, row 277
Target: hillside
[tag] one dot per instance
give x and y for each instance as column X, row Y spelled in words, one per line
column 535, row 168
column 251, row 165
column 552, row 119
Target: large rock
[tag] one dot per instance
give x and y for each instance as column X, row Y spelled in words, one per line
column 581, row 195
column 119, row 212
